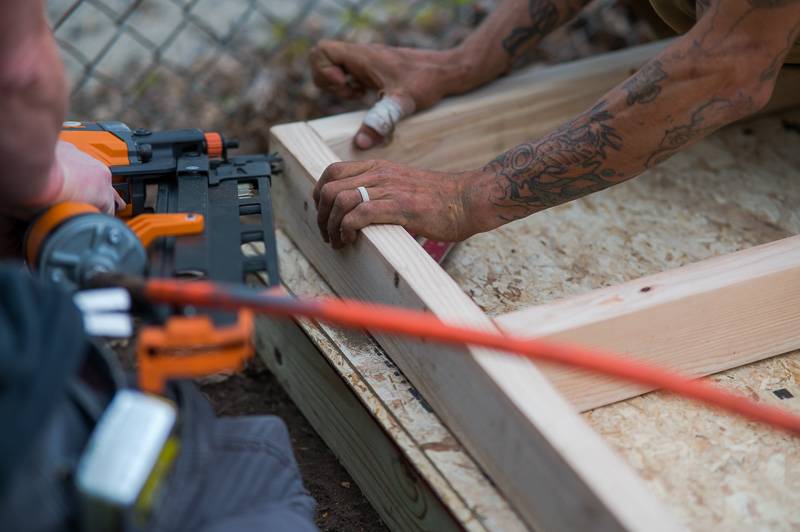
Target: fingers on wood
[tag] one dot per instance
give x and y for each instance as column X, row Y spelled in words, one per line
column 383, row 211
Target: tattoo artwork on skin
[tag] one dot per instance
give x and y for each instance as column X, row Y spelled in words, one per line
column 544, row 19
column 564, row 165
column 643, row 87
column 705, row 119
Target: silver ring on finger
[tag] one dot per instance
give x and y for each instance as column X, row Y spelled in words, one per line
column 364, row 194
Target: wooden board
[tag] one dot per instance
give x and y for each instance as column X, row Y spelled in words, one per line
column 703, row 318
column 402, row 499
column 409, row 466
column 556, row 471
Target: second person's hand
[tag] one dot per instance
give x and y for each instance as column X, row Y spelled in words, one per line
column 407, row 79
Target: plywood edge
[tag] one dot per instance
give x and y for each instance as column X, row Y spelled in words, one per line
column 706, row 317
column 555, row 470
column 404, row 499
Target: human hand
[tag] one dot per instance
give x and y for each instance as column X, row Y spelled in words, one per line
column 75, row 176
column 85, row 179
column 408, row 80
column 436, row 205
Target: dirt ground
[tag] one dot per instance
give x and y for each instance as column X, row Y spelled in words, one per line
column 340, row 503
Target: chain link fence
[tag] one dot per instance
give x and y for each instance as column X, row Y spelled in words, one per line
column 241, row 65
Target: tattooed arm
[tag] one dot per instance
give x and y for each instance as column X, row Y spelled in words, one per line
column 722, row 70
column 416, row 79
column 512, row 28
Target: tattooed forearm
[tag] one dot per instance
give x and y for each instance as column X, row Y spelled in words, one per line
column 568, row 163
column 544, row 18
column 709, row 78
column 706, row 118
column 515, row 25
column 644, row 86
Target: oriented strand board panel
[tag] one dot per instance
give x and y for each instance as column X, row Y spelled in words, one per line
column 715, row 472
column 400, row 496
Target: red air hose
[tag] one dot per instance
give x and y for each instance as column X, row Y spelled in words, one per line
column 395, row 320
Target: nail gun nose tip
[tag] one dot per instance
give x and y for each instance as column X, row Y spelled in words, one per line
column 232, row 144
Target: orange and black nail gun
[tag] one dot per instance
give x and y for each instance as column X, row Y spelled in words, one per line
column 190, row 207
column 168, row 173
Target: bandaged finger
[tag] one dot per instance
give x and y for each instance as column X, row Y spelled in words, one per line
column 384, row 116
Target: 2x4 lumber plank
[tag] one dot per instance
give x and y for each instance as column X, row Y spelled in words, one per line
column 703, row 318
column 467, row 131
column 554, row 469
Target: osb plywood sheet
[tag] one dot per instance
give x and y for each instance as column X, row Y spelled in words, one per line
column 735, row 190
column 716, row 472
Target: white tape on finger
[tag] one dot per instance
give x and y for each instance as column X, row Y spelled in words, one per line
column 384, row 116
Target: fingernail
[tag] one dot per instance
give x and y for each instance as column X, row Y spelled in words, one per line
column 363, row 141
